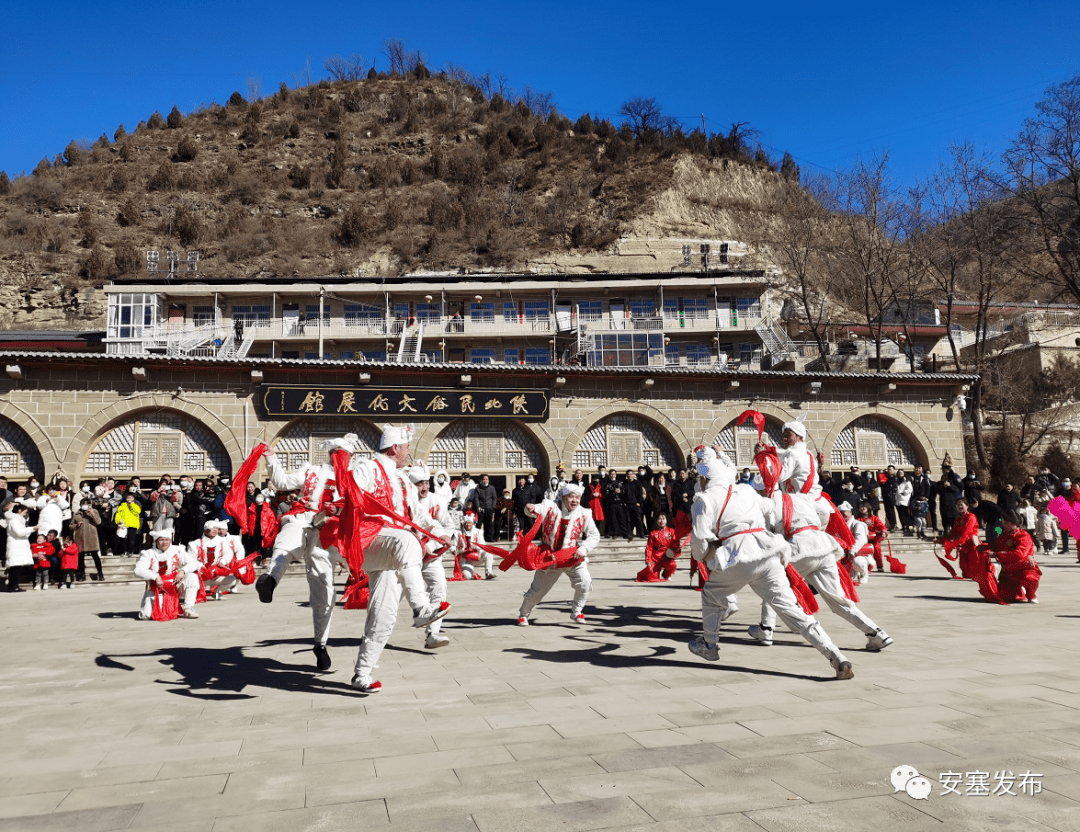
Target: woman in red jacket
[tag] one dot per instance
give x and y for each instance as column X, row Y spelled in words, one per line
column 1015, row 551
column 659, row 565
column 964, row 537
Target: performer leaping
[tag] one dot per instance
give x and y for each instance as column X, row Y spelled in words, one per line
column 393, row 556
column 729, row 535
column 299, row 538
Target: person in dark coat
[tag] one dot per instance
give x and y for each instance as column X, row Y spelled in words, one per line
column 923, row 488
column 485, row 499
column 1008, row 498
column 614, row 506
column 947, row 491
column 635, row 506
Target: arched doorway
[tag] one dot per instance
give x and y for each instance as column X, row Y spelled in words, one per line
column 625, row 440
column 738, row 441
column 872, row 443
column 503, row 450
column 301, row 441
column 19, row 456
column 155, row 442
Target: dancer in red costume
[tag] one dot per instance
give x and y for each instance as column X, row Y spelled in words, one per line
column 564, row 525
column 875, row 532
column 659, row 565
column 1015, row 551
column 392, row 554
column 467, row 550
column 962, row 538
column 168, row 569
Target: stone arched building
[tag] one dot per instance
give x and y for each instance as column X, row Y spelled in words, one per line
column 91, row 415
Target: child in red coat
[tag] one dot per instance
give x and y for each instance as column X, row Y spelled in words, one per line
column 40, row 550
column 69, row 562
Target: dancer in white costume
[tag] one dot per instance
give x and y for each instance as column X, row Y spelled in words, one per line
column 565, row 524
column 729, row 535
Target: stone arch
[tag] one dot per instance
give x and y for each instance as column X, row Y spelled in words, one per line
column 113, row 415
column 593, row 439
column 47, row 457
column 297, row 441
column 738, row 441
column 922, row 445
column 503, row 448
column 429, row 432
column 730, row 414
column 650, row 413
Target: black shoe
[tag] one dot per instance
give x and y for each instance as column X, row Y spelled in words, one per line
column 322, row 656
column 265, row 586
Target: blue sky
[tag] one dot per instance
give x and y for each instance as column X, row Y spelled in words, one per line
column 825, row 81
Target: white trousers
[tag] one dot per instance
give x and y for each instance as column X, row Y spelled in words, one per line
column 544, row 579
column 823, row 575
column 190, row 593
column 766, row 578
column 393, row 562
column 297, row 539
column 435, row 580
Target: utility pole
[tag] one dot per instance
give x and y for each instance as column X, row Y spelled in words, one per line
column 703, row 130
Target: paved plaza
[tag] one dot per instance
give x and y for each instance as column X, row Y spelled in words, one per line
column 222, row 723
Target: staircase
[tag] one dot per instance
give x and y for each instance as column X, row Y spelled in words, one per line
column 777, row 343
column 410, row 345
column 245, row 345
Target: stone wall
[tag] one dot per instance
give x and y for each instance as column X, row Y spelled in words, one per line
column 66, row 404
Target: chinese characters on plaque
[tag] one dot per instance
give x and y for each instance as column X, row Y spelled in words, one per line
column 301, row 400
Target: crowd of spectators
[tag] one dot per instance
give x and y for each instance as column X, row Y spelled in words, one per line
column 52, row 533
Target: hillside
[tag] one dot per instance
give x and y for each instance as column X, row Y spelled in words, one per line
column 376, row 176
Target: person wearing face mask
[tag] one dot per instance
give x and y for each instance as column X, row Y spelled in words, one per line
column 442, row 490
column 552, row 492
column 263, row 525
column 614, row 506
column 534, row 492
column 464, row 490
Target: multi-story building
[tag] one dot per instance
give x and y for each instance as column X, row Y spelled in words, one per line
column 503, row 374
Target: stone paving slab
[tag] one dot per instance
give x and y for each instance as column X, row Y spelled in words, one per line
column 221, row 724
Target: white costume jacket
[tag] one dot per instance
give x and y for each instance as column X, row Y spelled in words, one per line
column 805, row 535
column 728, row 525
column 579, row 529
column 858, row 530
column 312, row 482
column 18, row 540
column 153, row 562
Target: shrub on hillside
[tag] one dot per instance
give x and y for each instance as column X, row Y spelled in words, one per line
column 186, row 227
column 130, row 213
column 353, row 229
column 156, row 122
column 186, row 150
column 128, row 259
column 175, row 119
column 162, row 179
column 5, row 183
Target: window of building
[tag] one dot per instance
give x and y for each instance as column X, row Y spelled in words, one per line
column 748, row 307
column 697, row 354
column 482, row 313
column 697, row 308
column 725, row 353
column 202, row 315
column 642, row 308
column 671, row 354
column 590, row 310
column 536, row 355
column 311, row 311
column 251, row 315
column 347, row 355
column 428, row 312
column 133, row 315
column 750, row 353
column 375, row 355
column 511, row 356
column 361, row 314
column 510, row 312
column 537, row 310
column 627, row 350
column 482, row 356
